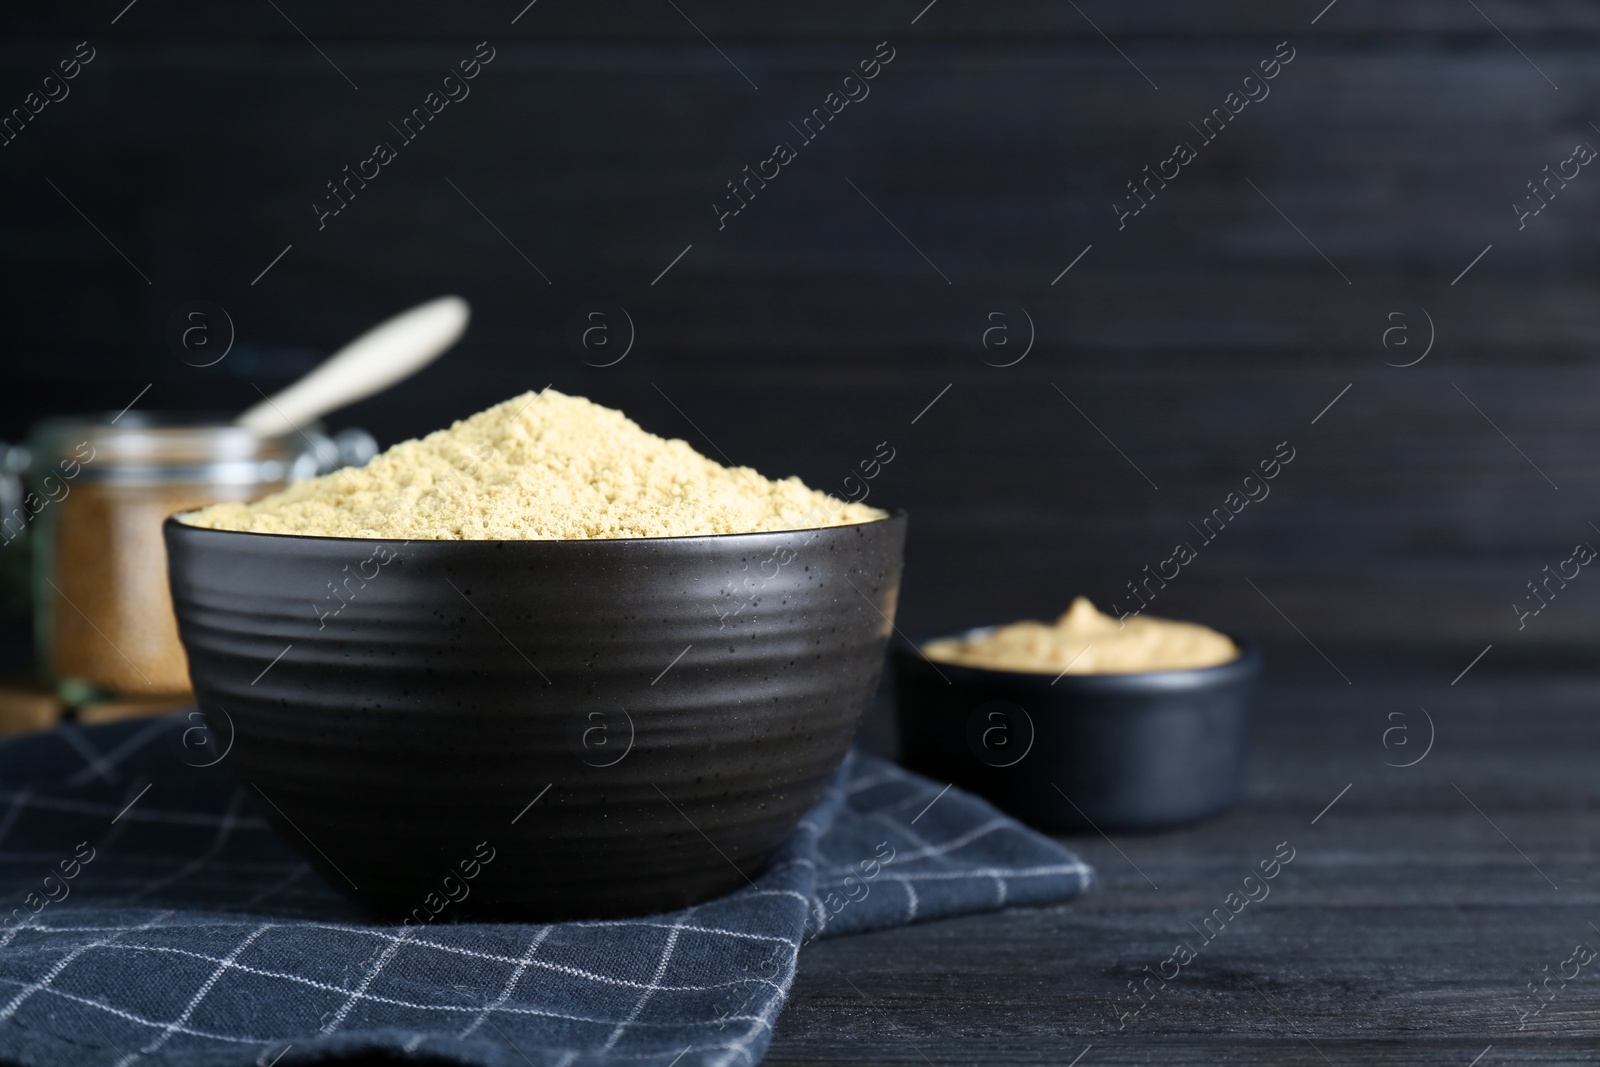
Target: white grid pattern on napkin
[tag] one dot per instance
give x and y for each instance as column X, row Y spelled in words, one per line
column 247, row 951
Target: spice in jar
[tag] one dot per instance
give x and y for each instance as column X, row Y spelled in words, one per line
column 100, row 490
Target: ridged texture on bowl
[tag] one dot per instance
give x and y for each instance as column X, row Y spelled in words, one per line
column 683, row 699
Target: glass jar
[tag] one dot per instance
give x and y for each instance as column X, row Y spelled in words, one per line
column 99, row 488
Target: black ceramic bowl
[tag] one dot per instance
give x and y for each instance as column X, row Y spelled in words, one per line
column 1141, row 751
column 535, row 730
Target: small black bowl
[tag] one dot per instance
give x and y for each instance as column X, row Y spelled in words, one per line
column 535, row 730
column 1144, row 751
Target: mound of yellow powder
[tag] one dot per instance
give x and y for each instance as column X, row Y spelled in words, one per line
column 541, row 466
column 1086, row 641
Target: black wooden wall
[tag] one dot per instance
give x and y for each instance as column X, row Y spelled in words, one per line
column 1177, row 352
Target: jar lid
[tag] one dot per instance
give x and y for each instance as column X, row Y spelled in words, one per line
column 156, row 446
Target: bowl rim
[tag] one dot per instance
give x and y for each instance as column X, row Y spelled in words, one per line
column 895, row 515
column 1244, row 666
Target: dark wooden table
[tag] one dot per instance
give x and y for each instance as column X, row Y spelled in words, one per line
column 1421, row 903
column 1418, row 908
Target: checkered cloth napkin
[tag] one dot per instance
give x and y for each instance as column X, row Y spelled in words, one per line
column 151, row 915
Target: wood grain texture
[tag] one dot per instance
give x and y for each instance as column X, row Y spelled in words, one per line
column 808, row 329
column 1404, row 931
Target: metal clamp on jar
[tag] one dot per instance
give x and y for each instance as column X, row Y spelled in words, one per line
column 94, row 491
